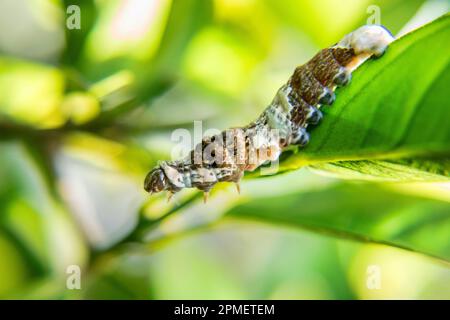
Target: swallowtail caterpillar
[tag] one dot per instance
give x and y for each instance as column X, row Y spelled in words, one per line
column 226, row 156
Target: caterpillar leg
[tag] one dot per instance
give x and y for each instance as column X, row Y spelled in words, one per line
column 205, row 188
column 327, row 97
column 342, row 78
column 238, row 187
column 170, row 195
column 300, row 137
column 205, row 196
column 314, row 116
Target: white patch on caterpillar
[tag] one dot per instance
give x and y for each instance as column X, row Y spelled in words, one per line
column 175, row 177
column 366, row 41
column 187, row 179
column 282, row 98
column 264, row 146
column 205, row 176
column 277, row 120
column 371, row 39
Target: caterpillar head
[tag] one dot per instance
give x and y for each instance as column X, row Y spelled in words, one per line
column 156, row 181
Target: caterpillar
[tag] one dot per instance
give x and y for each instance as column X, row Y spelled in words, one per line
column 226, row 156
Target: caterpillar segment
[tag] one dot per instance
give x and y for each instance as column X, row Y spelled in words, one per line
column 226, row 156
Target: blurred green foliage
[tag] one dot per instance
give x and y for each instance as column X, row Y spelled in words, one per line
column 85, row 113
column 352, row 211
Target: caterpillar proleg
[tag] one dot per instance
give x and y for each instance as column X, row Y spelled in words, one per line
column 226, row 156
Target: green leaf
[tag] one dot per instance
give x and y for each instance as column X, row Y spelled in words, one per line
column 32, row 218
column 360, row 212
column 186, row 18
column 389, row 170
column 394, row 14
column 395, row 107
column 76, row 38
column 156, row 75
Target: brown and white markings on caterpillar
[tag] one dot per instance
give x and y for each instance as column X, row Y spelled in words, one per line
column 226, row 156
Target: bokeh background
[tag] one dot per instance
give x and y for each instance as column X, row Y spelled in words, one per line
column 84, row 114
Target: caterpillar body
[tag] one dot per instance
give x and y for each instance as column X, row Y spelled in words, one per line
column 226, row 156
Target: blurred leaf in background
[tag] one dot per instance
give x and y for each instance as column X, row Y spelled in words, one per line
column 34, row 221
